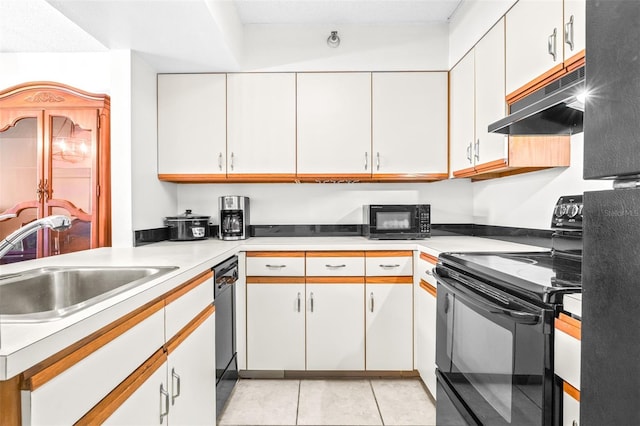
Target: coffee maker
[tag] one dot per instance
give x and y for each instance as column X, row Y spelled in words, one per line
column 234, row 217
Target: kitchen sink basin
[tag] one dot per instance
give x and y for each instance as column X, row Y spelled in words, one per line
column 47, row 294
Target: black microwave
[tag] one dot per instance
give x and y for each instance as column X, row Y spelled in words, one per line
column 396, row 221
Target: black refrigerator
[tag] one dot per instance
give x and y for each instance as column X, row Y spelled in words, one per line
column 610, row 361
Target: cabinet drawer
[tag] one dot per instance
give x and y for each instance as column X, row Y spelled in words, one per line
column 65, row 397
column 381, row 266
column 567, row 349
column 570, row 405
column 335, row 266
column 187, row 302
column 276, row 265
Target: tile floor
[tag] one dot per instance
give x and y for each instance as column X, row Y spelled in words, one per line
column 399, row 402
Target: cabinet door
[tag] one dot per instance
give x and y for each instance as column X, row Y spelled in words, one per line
column 192, row 124
column 146, row 405
column 334, row 123
column 192, row 376
column 462, row 104
column 335, row 326
column 275, row 326
column 409, row 122
column 389, row 322
column 490, row 97
column 426, row 335
column 531, row 25
column 575, row 25
column 261, row 123
column 570, row 407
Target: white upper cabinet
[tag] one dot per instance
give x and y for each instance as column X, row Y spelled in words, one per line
column 534, row 41
column 575, row 25
column 261, row 123
column 334, row 123
column 192, row 124
column 490, row 103
column 410, row 123
column 462, row 107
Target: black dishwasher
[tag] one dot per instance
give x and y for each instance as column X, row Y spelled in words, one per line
column 225, row 275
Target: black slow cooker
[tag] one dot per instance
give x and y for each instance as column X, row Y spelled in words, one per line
column 187, row 226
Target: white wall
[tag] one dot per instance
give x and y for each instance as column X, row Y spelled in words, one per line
column 527, row 200
column 151, row 199
column 287, row 204
column 362, row 48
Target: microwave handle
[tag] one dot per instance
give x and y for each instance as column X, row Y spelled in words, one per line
column 481, row 302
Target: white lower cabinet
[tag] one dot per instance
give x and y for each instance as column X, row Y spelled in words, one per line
column 426, row 337
column 389, row 326
column 570, row 409
column 335, row 326
column 275, row 325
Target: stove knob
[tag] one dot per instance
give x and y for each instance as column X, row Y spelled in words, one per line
column 560, row 210
column 572, row 210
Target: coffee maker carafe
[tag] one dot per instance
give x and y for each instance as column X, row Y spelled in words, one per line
column 234, row 217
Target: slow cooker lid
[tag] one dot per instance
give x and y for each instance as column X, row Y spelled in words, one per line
column 187, row 215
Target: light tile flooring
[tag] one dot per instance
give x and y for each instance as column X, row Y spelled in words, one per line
column 399, row 402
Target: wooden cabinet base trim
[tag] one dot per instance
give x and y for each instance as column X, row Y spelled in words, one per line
column 535, row 84
column 389, row 280
column 261, row 178
column 334, row 178
column 429, row 288
column 335, row 253
column 539, row 151
column 464, row 173
column 185, row 178
column 46, row 370
column 427, row 257
column 10, row 414
column 335, row 280
column 275, row 254
column 571, row 391
column 275, row 280
column 110, row 403
column 188, row 286
column 389, row 253
column 410, row 177
column 301, row 178
column 181, row 336
column 569, row 325
column 575, row 62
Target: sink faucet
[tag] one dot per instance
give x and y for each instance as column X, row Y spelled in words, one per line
column 55, row 222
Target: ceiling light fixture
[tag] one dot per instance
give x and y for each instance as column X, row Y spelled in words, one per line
column 333, row 40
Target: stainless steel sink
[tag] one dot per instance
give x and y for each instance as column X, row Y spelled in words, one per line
column 47, row 294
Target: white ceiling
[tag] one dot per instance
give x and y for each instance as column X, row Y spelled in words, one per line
column 183, row 35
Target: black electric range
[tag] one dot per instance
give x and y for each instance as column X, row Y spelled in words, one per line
column 494, row 327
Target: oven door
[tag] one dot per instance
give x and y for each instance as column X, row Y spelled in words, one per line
column 493, row 354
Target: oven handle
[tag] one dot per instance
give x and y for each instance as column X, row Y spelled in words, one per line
column 479, row 301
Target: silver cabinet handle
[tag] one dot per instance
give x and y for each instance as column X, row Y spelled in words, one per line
column 377, row 161
column 220, row 161
column 476, row 149
column 311, row 300
column 372, row 301
column 568, row 33
column 231, row 164
column 428, row 272
column 164, row 396
column 389, row 266
column 175, row 393
column 551, row 44
column 575, row 422
column 469, row 152
column 298, row 301
column 275, row 266
column 335, row 266
column 366, row 160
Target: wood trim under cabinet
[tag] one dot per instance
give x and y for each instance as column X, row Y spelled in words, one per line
column 46, row 370
column 114, row 399
column 10, row 411
column 334, row 280
column 389, row 280
column 186, row 331
column 389, row 253
column 464, row 173
column 429, row 258
column 539, row 151
column 274, row 280
column 335, row 253
column 429, row 288
column 569, row 325
column 330, row 177
column 409, row 177
column 575, row 62
column 260, row 178
column 571, row 391
column 275, row 254
column 188, row 178
column 188, row 286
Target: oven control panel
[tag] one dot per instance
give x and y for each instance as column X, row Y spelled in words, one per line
column 567, row 213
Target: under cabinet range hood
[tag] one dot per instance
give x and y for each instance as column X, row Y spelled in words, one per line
column 555, row 109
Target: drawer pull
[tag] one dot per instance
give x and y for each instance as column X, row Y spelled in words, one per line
column 389, row 266
column 164, row 395
column 276, row 266
column 311, row 300
column 335, row 266
column 175, row 394
column 428, row 272
column 298, row 301
column 372, row 302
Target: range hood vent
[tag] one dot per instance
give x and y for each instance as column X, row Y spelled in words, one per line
column 555, row 109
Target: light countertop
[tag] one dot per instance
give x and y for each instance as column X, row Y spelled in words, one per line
column 24, row 345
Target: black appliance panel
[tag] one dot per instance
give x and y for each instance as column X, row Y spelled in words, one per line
column 494, row 351
column 613, row 82
column 397, row 221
